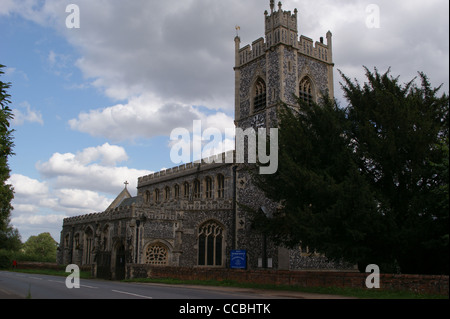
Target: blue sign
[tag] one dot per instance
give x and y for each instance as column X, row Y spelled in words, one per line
column 238, row 259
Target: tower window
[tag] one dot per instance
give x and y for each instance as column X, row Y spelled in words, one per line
column 305, row 91
column 259, row 99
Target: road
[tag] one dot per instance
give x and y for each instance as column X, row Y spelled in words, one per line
column 21, row 285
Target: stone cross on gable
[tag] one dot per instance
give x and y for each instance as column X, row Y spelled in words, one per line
column 126, row 184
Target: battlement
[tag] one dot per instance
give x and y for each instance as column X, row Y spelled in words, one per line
column 320, row 51
column 280, row 18
column 212, row 161
column 112, row 214
column 281, row 28
column 304, row 45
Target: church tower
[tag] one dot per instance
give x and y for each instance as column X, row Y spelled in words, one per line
column 278, row 68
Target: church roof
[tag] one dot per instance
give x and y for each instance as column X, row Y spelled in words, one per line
column 120, row 199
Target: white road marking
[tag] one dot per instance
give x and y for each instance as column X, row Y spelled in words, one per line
column 131, row 294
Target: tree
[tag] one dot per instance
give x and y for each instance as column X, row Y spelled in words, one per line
column 369, row 182
column 6, row 146
column 41, row 247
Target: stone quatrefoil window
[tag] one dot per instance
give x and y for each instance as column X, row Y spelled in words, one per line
column 157, row 255
column 210, row 239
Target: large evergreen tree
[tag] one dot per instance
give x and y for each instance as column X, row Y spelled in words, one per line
column 369, row 182
column 9, row 238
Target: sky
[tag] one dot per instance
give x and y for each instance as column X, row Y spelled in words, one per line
column 94, row 106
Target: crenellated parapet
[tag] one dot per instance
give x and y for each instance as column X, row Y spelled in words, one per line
column 120, row 212
column 186, row 169
column 281, row 28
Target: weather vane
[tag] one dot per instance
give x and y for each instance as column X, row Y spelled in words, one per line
column 237, row 30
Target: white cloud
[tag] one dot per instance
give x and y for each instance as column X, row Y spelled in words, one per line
column 81, row 171
column 144, row 117
column 26, row 114
column 72, row 184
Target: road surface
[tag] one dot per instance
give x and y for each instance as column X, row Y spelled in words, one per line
column 23, row 285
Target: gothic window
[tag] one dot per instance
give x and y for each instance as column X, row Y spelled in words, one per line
column 209, row 187
column 157, row 196
column 177, row 191
column 156, row 254
column 77, row 241
column 147, row 197
column 259, row 96
column 67, row 241
column 220, row 186
column 167, row 193
column 210, row 240
column 197, row 192
column 306, row 91
column 88, row 246
column 186, row 190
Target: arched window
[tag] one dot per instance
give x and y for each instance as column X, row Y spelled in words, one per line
column 67, row 241
column 259, row 95
column 147, row 196
column 210, row 240
column 77, row 241
column 186, row 190
column 167, row 193
column 157, row 254
column 157, row 196
column 197, row 191
column 176, row 191
column 306, row 90
column 220, row 186
column 88, row 246
column 208, row 187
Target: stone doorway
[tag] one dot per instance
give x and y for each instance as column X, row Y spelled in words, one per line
column 119, row 273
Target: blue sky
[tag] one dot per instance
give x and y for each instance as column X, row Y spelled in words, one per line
column 95, row 106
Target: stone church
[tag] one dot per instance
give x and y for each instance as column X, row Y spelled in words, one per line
column 188, row 216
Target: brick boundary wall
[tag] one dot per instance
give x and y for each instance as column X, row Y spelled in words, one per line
column 430, row 284
column 45, row 265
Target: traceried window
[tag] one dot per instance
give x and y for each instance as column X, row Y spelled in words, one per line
column 157, row 255
column 259, row 96
column 208, row 187
column 210, row 240
column 306, row 90
column 220, row 186
column 197, row 191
